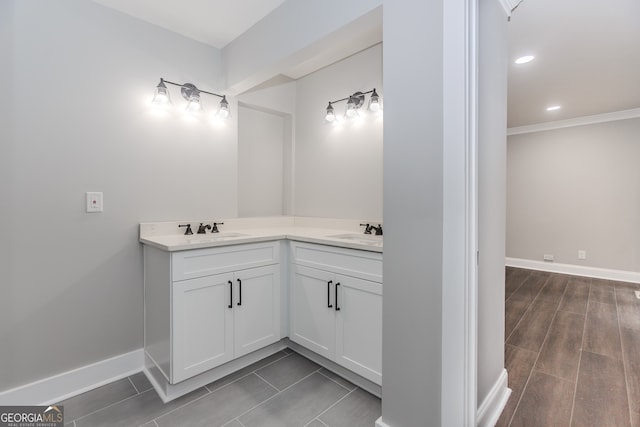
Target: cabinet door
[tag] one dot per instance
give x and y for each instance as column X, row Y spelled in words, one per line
column 312, row 310
column 359, row 327
column 202, row 325
column 256, row 308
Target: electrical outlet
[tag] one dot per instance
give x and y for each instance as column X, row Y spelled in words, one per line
column 637, row 294
column 582, row 254
column 548, row 257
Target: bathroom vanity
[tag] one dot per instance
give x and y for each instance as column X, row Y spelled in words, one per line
column 217, row 302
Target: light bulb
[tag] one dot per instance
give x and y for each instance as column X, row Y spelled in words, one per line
column 224, row 111
column 331, row 116
column 351, row 111
column 161, row 95
column 374, row 102
column 194, row 105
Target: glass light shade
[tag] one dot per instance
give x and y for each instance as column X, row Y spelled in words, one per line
column 194, row 106
column 352, row 110
column 224, row 111
column 331, row 116
column 374, row 102
column 161, row 95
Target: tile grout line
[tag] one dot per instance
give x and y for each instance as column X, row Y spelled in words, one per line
column 134, row 386
column 533, row 367
column 211, row 390
column 584, row 330
column 624, row 364
column 528, row 307
column 219, row 388
column 518, row 288
column 334, row 404
column 331, row 379
column 272, row 397
column 113, row 404
column 271, row 385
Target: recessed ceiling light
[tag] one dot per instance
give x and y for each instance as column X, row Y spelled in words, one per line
column 524, row 59
column 554, row 108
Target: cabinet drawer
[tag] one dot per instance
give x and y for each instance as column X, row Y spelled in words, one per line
column 206, row 262
column 350, row 262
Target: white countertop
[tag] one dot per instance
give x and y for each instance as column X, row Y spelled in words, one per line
column 342, row 233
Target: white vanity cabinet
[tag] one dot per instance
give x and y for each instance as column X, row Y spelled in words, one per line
column 336, row 306
column 206, row 307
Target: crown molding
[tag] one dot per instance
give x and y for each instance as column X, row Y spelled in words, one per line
column 578, row 121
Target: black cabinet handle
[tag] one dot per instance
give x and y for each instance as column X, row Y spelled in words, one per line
column 230, row 294
column 337, row 308
column 239, row 292
column 329, row 294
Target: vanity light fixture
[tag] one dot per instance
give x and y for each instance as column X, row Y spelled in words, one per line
column 553, row 108
column 191, row 93
column 354, row 103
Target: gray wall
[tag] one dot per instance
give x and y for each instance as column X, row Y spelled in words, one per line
column 338, row 168
column 78, row 119
column 261, row 154
column 413, row 212
column 576, row 189
column 492, row 159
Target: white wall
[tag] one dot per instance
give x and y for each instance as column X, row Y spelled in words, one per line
column 492, row 164
column 338, row 168
column 576, row 189
column 81, row 77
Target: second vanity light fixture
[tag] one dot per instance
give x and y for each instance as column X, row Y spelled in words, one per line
column 191, row 93
column 354, row 103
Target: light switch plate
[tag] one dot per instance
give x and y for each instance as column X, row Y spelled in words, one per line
column 94, row 202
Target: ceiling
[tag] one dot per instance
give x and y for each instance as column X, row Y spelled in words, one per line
column 587, row 53
column 214, row 22
column 587, row 59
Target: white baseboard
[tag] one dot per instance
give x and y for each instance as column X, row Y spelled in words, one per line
column 492, row 405
column 68, row 384
column 575, row 270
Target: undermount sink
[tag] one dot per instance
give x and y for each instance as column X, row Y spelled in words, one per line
column 214, row 237
column 366, row 239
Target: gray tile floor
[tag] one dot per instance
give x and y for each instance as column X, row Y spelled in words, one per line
column 572, row 351
column 282, row 390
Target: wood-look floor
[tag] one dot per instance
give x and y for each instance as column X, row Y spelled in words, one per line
column 572, row 351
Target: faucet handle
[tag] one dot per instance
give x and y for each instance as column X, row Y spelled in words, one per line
column 188, row 231
column 214, row 228
column 367, row 228
column 378, row 230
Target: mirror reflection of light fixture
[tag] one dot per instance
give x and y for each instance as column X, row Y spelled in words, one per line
column 191, row 93
column 161, row 96
column 331, row 115
column 224, row 111
column 374, row 102
column 354, row 103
